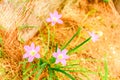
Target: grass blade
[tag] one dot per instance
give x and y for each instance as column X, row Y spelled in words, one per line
column 51, row 73
column 27, row 70
column 62, row 71
column 56, row 48
column 71, row 39
column 43, row 66
column 74, row 49
column 106, row 70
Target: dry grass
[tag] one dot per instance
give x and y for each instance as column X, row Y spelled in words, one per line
column 74, row 14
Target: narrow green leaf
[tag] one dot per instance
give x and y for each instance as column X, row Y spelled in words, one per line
column 31, row 73
column 43, row 66
column 74, row 49
column 85, row 75
column 1, row 41
column 70, row 66
column 51, row 73
column 28, row 69
column 64, row 72
column 106, row 70
column 106, row 1
column 56, row 48
column 26, row 26
column 23, row 65
column 71, row 39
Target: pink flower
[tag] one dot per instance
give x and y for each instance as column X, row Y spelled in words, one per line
column 55, row 18
column 94, row 36
column 31, row 52
column 60, row 56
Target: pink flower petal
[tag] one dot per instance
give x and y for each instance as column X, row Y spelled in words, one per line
column 63, row 62
column 37, row 48
column 64, row 52
column 94, row 37
column 55, row 55
column 51, row 15
column 57, row 61
column 37, row 55
column 66, row 57
column 27, row 48
column 55, row 13
column 26, row 55
column 60, row 21
column 48, row 20
column 58, row 51
column 32, row 45
column 53, row 23
column 59, row 16
column 30, row 59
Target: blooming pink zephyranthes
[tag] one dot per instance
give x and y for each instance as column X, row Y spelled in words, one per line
column 31, row 52
column 94, row 36
column 54, row 18
column 61, row 56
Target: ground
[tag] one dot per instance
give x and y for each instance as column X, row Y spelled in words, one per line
column 97, row 17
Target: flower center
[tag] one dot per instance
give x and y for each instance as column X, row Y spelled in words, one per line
column 32, row 52
column 54, row 19
column 60, row 56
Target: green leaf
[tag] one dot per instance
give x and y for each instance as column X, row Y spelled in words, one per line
column 1, row 41
column 64, row 72
column 106, row 1
column 26, row 26
column 52, row 60
column 43, row 66
column 51, row 73
column 40, row 61
column 30, row 74
column 1, row 52
column 21, row 39
column 23, row 65
column 71, row 39
column 28, row 69
column 74, row 49
column 56, row 48
column 106, row 69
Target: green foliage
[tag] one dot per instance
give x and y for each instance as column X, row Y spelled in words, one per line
column 81, row 44
column 52, row 60
column 71, row 39
column 1, row 52
column 106, row 1
column 47, row 63
column 1, row 41
column 40, row 70
column 105, row 77
column 64, row 72
column 26, row 26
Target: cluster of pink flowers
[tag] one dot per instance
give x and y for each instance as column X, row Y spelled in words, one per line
column 61, row 56
column 32, row 52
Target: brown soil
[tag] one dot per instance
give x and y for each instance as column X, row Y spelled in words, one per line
column 92, row 16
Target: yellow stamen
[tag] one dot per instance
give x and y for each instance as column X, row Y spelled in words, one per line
column 60, row 56
column 54, row 19
column 32, row 52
